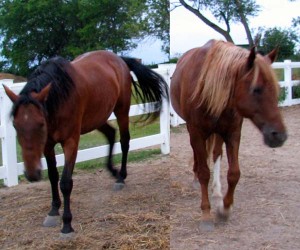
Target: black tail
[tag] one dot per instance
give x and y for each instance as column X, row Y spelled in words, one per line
column 150, row 88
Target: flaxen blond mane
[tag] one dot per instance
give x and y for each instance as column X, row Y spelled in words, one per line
column 221, row 69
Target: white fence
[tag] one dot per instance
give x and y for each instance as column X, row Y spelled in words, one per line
column 287, row 83
column 11, row 169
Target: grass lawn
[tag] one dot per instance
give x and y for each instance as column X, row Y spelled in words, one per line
column 96, row 138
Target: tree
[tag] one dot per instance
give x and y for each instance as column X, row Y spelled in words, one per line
column 226, row 12
column 36, row 30
column 277, row 37
column 159, row 21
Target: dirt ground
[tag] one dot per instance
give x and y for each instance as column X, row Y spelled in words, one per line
column 159, row 208
column 266, row 213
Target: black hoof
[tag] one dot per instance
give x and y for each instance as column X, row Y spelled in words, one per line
column 67, row 230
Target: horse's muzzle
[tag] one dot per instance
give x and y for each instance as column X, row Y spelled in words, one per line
column 273, row 138
column 33, row 176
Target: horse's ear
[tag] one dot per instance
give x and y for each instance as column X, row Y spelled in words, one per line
column 251, row 58
column 42, row 96
column 272, row 55
column 12, row 96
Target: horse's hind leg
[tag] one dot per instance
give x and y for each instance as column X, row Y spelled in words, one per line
column 217, row 155
column 123, row 122
column 110, row 134
column 233, row 175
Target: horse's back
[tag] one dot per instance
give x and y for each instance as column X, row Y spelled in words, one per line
column 105, row 64
column 102, row 80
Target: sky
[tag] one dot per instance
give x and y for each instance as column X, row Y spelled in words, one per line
column 188, row 31
column 149, row 50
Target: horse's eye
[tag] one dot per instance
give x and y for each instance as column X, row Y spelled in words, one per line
column 257, row 90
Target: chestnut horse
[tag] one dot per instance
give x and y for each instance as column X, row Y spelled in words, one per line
column 63, row 99
column 213, row 88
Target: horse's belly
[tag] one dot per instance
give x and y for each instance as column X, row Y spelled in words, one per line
column 95, row 118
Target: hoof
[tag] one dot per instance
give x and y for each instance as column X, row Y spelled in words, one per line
column 119, row 186
column 67, row 236
column 207, row 225
column 223, row 214
column 51, row 221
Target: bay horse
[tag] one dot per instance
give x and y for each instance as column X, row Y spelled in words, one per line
column 63, row 100
column 213, row 88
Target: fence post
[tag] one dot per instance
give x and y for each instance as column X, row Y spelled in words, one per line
column 165, row 114
column 174, row 118
column 288, row 81
column 165, row 127
column 8, row 140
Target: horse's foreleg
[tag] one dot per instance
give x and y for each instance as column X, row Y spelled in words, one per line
column 233, row 175
column 66, row 183
column 202, row 172
column 53, row 218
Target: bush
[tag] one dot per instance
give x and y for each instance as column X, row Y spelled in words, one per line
column 282, row 95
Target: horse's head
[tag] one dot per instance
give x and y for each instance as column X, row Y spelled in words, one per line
column 30, row 123
column 257, row 98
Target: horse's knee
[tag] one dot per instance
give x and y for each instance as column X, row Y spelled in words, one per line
column 233, row 176
column 66, row 186
column 203, row 175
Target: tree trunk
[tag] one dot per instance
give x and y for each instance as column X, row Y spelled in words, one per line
column 218, row 29
column 245, row 23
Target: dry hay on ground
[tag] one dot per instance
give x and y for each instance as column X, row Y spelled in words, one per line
column 159, row 209
column 135, row 218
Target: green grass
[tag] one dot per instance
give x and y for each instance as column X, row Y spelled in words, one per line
column 296, row 74
column 91, row 165
column 95, row 138
column 280, row 74
column 295, row 89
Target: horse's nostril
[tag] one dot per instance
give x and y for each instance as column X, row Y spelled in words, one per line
column 274, row 133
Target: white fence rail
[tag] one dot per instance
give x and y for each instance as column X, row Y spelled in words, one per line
column 11, row 169
column 287, row 83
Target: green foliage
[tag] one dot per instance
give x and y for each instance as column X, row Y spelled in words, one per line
column 159, row 21
column 283, row 38
column 36, row 30
column 282, row 95
column 296, row 91
column 227, row 10
column 173, row 60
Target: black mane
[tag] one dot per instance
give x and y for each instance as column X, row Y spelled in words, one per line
column 53, row 71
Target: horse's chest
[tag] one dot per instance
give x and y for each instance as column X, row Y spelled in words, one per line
column 228, row 122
